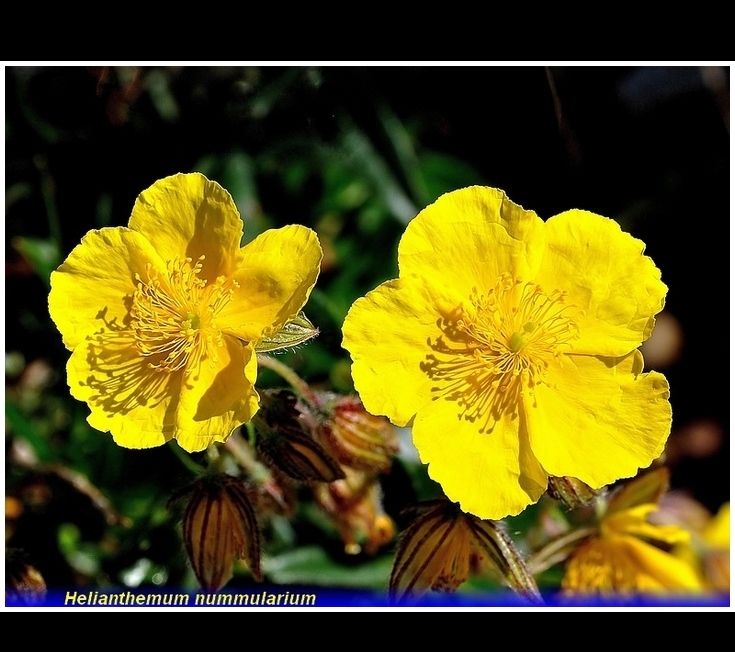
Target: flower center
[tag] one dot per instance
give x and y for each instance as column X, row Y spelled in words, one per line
column 516, row 328
column 174, row 314
column 499, row 344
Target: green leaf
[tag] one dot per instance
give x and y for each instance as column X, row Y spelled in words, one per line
column 365, row 159
column 24, row 427
column 443, row 173
column 295, row 332
column 43, row 255
column 312, row 565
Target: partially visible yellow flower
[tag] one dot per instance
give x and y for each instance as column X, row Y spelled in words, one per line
column 510, row 346
column 162, row 317
column 709, row 550
column 714, row 550
column 630, row 554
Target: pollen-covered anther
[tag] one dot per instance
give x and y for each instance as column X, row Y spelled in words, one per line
column 173, row 314
column 508, row 336
column 515, row 329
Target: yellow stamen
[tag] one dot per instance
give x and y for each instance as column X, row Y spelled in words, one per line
column 173, row 314
column 499, row 345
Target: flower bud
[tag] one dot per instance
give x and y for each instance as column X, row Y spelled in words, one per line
column 354, row 505
column 219, row 526
column 353, row 435
column 436, row 550
column 572, row 492
column 24, row 585
column 284, row 440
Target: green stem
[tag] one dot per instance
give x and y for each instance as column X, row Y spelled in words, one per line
column 241, row 450
column 557, row 550
column 47, row 192
column 243, row 453
column 290, row 376
column 184, row 458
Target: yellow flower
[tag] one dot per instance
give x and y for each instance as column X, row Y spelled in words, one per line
column 162, row 317
column 629, row 553
column 709, row 550
column 715, row 550
column 510, row 345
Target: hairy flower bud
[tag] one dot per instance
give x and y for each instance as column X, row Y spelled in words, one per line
column 435, row 551
column 572, row 492
column 354, row 505
column 24, row 585
column 219, row 526
column 353, row 435
column 284, row 440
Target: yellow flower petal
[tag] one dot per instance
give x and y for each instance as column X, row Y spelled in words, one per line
column 91, row 290
column 490, row 474
column 634, row 522
column 596, row 420
column 625, row 565
column 217, row 396
column 658, row 570
column 470, row 237
column 386, row 333
column 717, row 532
column 187, row 215
column 614, row 290
column 275, row 273
column 647, row 488
column 143, row 407
column 127, row 398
